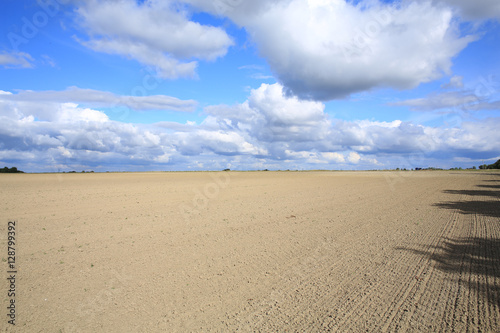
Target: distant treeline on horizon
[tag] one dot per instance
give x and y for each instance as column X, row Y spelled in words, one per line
column 10, row 170
column 495, row 165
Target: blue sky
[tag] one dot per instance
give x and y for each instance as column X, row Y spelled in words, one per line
column 278, row 84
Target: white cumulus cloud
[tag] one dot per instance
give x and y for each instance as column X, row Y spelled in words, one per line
column 268, row 130
column 155, row 33
column 329, row 49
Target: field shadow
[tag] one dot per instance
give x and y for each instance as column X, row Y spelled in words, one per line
column 489, row 186
column 482, row 253
column 482, row 207
column 486, row 193
column 487, row 208
column 480, row 256
column 475, row 255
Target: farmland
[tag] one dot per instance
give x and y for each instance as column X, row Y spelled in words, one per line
column 254, row 251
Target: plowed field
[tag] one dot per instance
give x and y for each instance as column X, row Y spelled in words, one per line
column 253, row 251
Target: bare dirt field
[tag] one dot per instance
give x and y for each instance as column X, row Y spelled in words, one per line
column 252, row 252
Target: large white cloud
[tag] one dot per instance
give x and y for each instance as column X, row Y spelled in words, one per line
column 155, row 33
column 317, row 49
column 271, row 116
column 329, row 49
column 269, row 130
column 305, row 131
column 73, row 138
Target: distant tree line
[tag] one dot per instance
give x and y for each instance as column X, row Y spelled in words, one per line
column 495, row 165
column 10, row 170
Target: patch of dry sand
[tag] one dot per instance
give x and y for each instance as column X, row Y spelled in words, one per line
column 253, row 251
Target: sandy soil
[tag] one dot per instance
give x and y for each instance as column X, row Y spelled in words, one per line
column 253, row 251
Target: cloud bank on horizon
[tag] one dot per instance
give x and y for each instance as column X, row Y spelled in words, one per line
column 330, row 84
